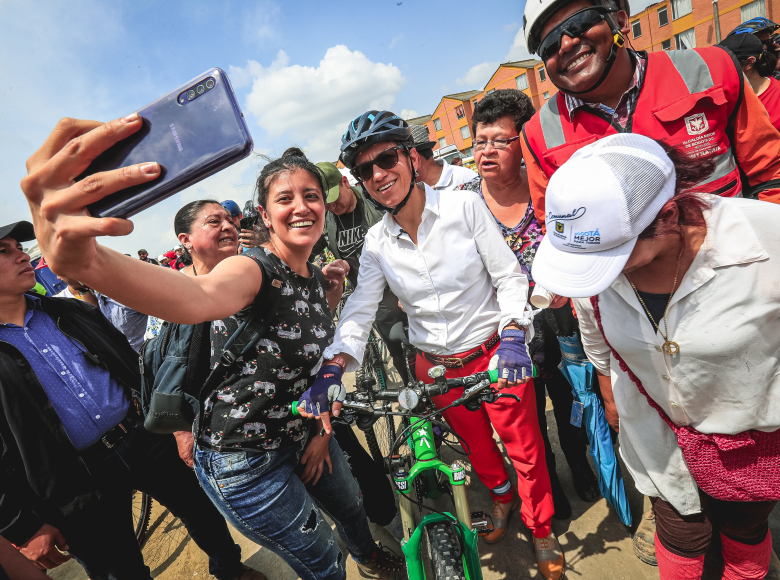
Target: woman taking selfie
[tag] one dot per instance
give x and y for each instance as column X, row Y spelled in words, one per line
column 682, row 328
column 263, row 468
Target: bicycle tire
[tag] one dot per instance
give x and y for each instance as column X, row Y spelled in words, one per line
column 381, row 436
column 142, row 513
column 444, row 552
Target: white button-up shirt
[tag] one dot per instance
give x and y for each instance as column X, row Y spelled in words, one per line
column 459, row 285
column 726, row 378
column 452, row 176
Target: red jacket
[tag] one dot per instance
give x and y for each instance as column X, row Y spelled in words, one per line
column 696, row 100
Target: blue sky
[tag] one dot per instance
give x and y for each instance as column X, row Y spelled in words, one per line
column 301, row 70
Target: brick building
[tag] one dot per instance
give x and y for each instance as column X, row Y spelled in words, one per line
column 678, row 24
column 450, row 123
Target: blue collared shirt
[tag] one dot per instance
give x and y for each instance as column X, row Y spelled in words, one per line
column 85, row 397
column 128, row 321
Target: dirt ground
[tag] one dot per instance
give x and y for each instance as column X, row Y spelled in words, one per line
column 594, row 540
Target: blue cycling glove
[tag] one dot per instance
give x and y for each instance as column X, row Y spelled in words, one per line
column 512, row 358
column 327, row 388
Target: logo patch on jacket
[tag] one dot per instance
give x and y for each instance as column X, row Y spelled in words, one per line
column 696, row 124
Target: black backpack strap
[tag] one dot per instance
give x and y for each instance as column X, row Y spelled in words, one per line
column 261, row 313
column 194, row 354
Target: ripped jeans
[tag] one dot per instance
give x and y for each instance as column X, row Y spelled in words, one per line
column 261, row 495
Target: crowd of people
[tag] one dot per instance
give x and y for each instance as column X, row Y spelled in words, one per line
column 642, row 198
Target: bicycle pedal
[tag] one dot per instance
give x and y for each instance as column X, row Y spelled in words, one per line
column 479, row 523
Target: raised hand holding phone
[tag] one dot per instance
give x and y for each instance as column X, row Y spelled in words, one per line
column 64, row 229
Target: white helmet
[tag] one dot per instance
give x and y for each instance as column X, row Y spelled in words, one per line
column 537, row 12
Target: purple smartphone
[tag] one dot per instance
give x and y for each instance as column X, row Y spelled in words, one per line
column 192, row 132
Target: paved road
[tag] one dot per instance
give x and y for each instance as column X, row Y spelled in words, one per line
column 596, row 543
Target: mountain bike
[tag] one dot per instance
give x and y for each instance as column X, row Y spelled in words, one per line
column 418, row 472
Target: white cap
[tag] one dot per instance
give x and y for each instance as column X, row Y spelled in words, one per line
column 160, row 258
column 597, row 204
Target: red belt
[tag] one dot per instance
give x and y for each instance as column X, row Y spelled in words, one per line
column 458, row 361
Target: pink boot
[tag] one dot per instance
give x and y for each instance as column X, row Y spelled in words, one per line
column 673, row 567
column 743, row 562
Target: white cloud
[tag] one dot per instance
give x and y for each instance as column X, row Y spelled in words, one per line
column 313, row 105
column 395, row 41
column 518, row 50
column 409, row 114
column 260, row 23
column 478, row 74
column 510, row 27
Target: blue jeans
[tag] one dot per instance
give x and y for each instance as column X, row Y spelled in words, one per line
column 100, row 535
column 261, row 495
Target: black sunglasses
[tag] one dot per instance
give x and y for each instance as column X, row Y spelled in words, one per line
column 574, row 26
column 387, row 159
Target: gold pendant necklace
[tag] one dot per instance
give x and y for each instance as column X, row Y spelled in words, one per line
column 669, row 346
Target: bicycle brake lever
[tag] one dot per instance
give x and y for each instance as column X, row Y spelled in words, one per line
column 493, row 395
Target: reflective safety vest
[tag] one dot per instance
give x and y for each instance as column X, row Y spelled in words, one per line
column 688, row 100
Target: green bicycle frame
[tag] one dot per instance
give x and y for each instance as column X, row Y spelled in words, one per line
column 422, row 441
column 427, row 462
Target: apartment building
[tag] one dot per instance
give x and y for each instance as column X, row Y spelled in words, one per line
column 681, row 24
column 450, row 123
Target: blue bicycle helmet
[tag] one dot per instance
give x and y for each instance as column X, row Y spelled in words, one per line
column 376, row 127
column 373, row 127
column 231, row 207
column 754, row 26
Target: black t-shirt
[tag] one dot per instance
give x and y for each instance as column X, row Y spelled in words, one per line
column 656, row 304
column 251, row 409
column 350, row 234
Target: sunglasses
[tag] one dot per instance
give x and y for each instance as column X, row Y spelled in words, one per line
column 574, row 27
column 387, row 159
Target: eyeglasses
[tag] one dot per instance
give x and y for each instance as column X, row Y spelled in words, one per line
column 574, row 26
column 497, row 144
column 387, row 159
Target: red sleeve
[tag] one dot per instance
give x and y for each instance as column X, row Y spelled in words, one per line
column 537, row 182
column 757, row 146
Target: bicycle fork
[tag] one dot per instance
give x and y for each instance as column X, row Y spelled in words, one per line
column 427, row 461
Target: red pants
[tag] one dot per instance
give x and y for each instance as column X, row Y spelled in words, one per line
column 517, row 426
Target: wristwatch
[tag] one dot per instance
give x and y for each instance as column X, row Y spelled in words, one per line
column 338, row 360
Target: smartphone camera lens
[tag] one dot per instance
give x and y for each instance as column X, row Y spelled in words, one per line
column 210, row 84
column 190, row 94
column 201, row 89
column 182, row 98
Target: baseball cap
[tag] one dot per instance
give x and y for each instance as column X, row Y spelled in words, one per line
column 161, row 257
column 597, row 204
column 422, row 137
column 744, row 46
column 19, row 231
column 142, row 251
column 332, row 177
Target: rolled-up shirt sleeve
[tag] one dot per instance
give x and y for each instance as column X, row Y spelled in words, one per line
column 505, row 272
column 360, row 310
column 593, row 341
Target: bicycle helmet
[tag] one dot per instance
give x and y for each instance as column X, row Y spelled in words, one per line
column 231, row 207
column 754, row 26
column 376, row 127
column 538, row 12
